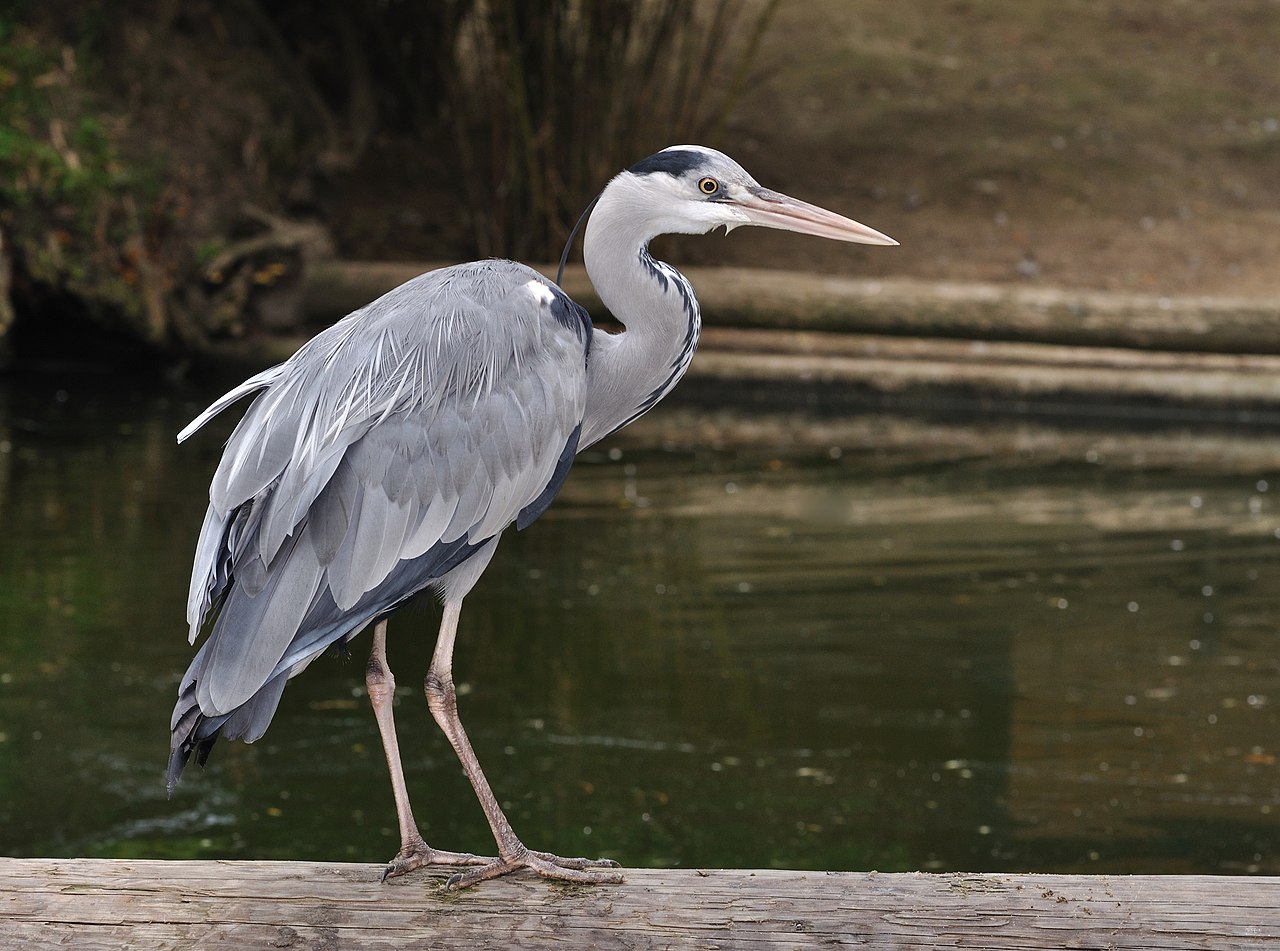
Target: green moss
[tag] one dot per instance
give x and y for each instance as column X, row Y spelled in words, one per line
column 206, row 251
column 71, row 202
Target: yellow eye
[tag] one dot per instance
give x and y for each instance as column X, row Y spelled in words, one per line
column 708, row 186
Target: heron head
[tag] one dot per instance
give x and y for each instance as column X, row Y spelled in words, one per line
column 692, row 189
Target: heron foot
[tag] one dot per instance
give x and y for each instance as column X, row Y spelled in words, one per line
column 416, row 853
column 578, row 870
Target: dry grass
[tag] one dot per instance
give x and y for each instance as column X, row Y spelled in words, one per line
column 546, row 101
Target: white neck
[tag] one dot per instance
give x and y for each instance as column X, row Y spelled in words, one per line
column 628, row 373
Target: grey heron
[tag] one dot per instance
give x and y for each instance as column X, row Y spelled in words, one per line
column 389, row 454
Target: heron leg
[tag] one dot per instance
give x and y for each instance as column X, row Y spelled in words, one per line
column 414, row 852
column 442, row 699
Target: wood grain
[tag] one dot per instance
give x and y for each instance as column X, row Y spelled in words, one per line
column 104, row 903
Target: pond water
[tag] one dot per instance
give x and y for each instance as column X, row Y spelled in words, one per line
column 826, row 639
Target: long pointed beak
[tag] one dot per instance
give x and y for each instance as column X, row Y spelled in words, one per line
column 771, row 209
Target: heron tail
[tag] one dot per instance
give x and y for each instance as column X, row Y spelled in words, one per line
column 195, row 732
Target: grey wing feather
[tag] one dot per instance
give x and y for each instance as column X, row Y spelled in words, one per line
column 251, row 385
column 210, row 571
column 234, row 665
column 433, row 417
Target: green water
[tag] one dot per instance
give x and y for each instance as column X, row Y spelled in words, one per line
column 817, row 640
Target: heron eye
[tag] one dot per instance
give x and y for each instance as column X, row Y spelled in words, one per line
column 708, row 186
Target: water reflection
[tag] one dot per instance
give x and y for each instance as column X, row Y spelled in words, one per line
column 740, row 640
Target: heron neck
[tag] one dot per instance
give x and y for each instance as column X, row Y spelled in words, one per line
column 628, row 373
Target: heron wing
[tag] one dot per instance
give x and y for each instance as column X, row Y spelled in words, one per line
column 410, row 432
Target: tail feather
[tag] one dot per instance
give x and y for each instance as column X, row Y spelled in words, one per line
column 194, row 731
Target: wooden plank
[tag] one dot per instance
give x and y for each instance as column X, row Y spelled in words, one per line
column 104, row 903
column 1024, row 371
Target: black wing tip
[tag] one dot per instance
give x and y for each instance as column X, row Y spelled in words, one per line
column 181, row 755
column 185, row 740
column 177, row 763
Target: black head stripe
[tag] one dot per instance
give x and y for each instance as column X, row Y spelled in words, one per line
column 673, row 161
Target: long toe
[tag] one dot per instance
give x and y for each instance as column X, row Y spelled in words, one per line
column 574, row 863
column 459, row 858
column 417, row 854
column 580, row 871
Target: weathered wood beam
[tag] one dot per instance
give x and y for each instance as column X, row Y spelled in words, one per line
column 102, row 903
column 788, row 300
column 1010, row 370
column 1245, row 385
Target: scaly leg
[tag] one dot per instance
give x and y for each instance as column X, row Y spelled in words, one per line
column 512, row 854
column 414, row 852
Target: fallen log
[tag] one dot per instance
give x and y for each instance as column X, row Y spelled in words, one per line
column 738, row 297
column 1240, row 387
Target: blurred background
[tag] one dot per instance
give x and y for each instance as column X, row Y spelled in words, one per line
column 985, row 581
column 163, row 164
